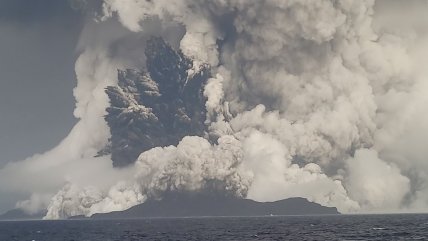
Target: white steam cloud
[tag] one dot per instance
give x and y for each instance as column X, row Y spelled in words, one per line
column 319, row 99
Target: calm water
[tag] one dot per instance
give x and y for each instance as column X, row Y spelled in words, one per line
column 361, row 227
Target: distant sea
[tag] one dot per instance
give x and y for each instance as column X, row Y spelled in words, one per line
column 335, row 227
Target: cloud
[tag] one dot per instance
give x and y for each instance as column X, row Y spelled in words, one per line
column 35, row 204
column 374, row 183
column 319, row 89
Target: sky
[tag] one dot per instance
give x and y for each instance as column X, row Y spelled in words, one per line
column 37, row 48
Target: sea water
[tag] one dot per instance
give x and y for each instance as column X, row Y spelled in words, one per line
column 335, row 227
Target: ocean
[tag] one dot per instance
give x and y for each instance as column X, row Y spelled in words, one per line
column 335, row 227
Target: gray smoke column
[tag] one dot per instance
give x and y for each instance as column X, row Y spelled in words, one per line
column 319, row 99
column 158, row 107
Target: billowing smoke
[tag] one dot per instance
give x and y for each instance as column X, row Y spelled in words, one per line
column 318, row 99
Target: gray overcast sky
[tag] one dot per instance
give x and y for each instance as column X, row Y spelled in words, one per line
column 37, row 55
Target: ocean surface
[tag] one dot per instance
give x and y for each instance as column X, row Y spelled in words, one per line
column 337, row 227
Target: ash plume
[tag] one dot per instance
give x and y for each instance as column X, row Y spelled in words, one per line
column 158, row 107
column 318, row 99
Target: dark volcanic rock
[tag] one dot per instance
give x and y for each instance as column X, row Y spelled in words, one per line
column 78, row 217
column 198, row 205
column 157, row 107
column 19, row 214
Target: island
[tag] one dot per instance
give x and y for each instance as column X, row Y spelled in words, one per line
column 199, row 205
